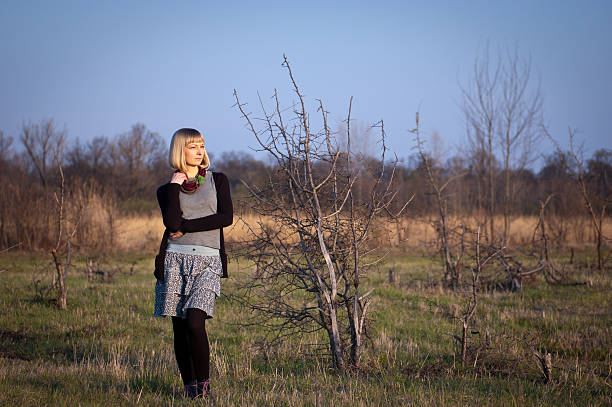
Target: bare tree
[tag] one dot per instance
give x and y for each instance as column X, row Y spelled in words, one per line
column 42, row 142
column 127, row 157
column 452, row 260
column 61, row 274
column 98, row 151
column 136, row 147
column 481, row 111
column 573, row 162
column 5, row 167
column 309, row 243
column 478, row 259
column 501, row 109
column 519, row 125
column 5, row 147
column 540, row 233
column 66, row 230
column 457, row 252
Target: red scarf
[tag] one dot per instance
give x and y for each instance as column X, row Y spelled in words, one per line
column 190, row 186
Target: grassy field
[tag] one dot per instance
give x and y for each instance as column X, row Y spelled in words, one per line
column 107, row 349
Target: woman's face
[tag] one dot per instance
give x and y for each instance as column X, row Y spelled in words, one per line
column 194, row 153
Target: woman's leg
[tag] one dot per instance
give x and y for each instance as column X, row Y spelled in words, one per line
column 182, row 350
column 198, row 343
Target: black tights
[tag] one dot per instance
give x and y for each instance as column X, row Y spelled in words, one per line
column 191, row 346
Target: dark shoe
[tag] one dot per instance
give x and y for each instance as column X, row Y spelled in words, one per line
column 191, row 391
column 203, row 388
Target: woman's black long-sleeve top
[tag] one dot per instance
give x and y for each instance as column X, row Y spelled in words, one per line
column 169, row 203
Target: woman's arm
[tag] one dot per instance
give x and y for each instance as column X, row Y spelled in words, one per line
column 169, row 203
column 225, row 211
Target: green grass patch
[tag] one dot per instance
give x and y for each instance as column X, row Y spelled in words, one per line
column 108, row 349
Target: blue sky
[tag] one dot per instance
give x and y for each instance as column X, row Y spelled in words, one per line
column 97, row 67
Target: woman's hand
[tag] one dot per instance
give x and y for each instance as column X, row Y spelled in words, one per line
column 176, row 235
column 178, row 178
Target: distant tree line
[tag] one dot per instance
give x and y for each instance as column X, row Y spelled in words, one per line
column 122, row 174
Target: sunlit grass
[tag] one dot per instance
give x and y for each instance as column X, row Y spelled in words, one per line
column 142, row 232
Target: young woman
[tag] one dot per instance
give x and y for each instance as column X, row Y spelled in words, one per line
column 195, row 205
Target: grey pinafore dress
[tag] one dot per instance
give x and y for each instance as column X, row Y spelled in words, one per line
column 192, row 280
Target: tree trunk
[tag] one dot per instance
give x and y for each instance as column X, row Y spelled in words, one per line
column 334, row 338
column 355, row 332
column 600, row 263
column 507, row 189
column 464, row 342
column 491, row 185
column 61, row 297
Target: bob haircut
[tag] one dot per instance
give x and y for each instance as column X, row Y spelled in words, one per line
column 180, row 139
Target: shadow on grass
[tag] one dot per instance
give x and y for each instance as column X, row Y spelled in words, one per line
column 17, row 344
column 156, row 384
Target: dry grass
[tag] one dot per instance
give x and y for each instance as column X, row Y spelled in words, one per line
column 574, row 231
column 139, row 232
column 144, row 232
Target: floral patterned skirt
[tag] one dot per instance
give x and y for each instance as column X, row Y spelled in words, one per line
column 190, row 281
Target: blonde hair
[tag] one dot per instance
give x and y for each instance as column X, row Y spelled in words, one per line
column 180, row 139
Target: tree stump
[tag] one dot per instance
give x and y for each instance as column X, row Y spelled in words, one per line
column 545, row 365
column 391, row 276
